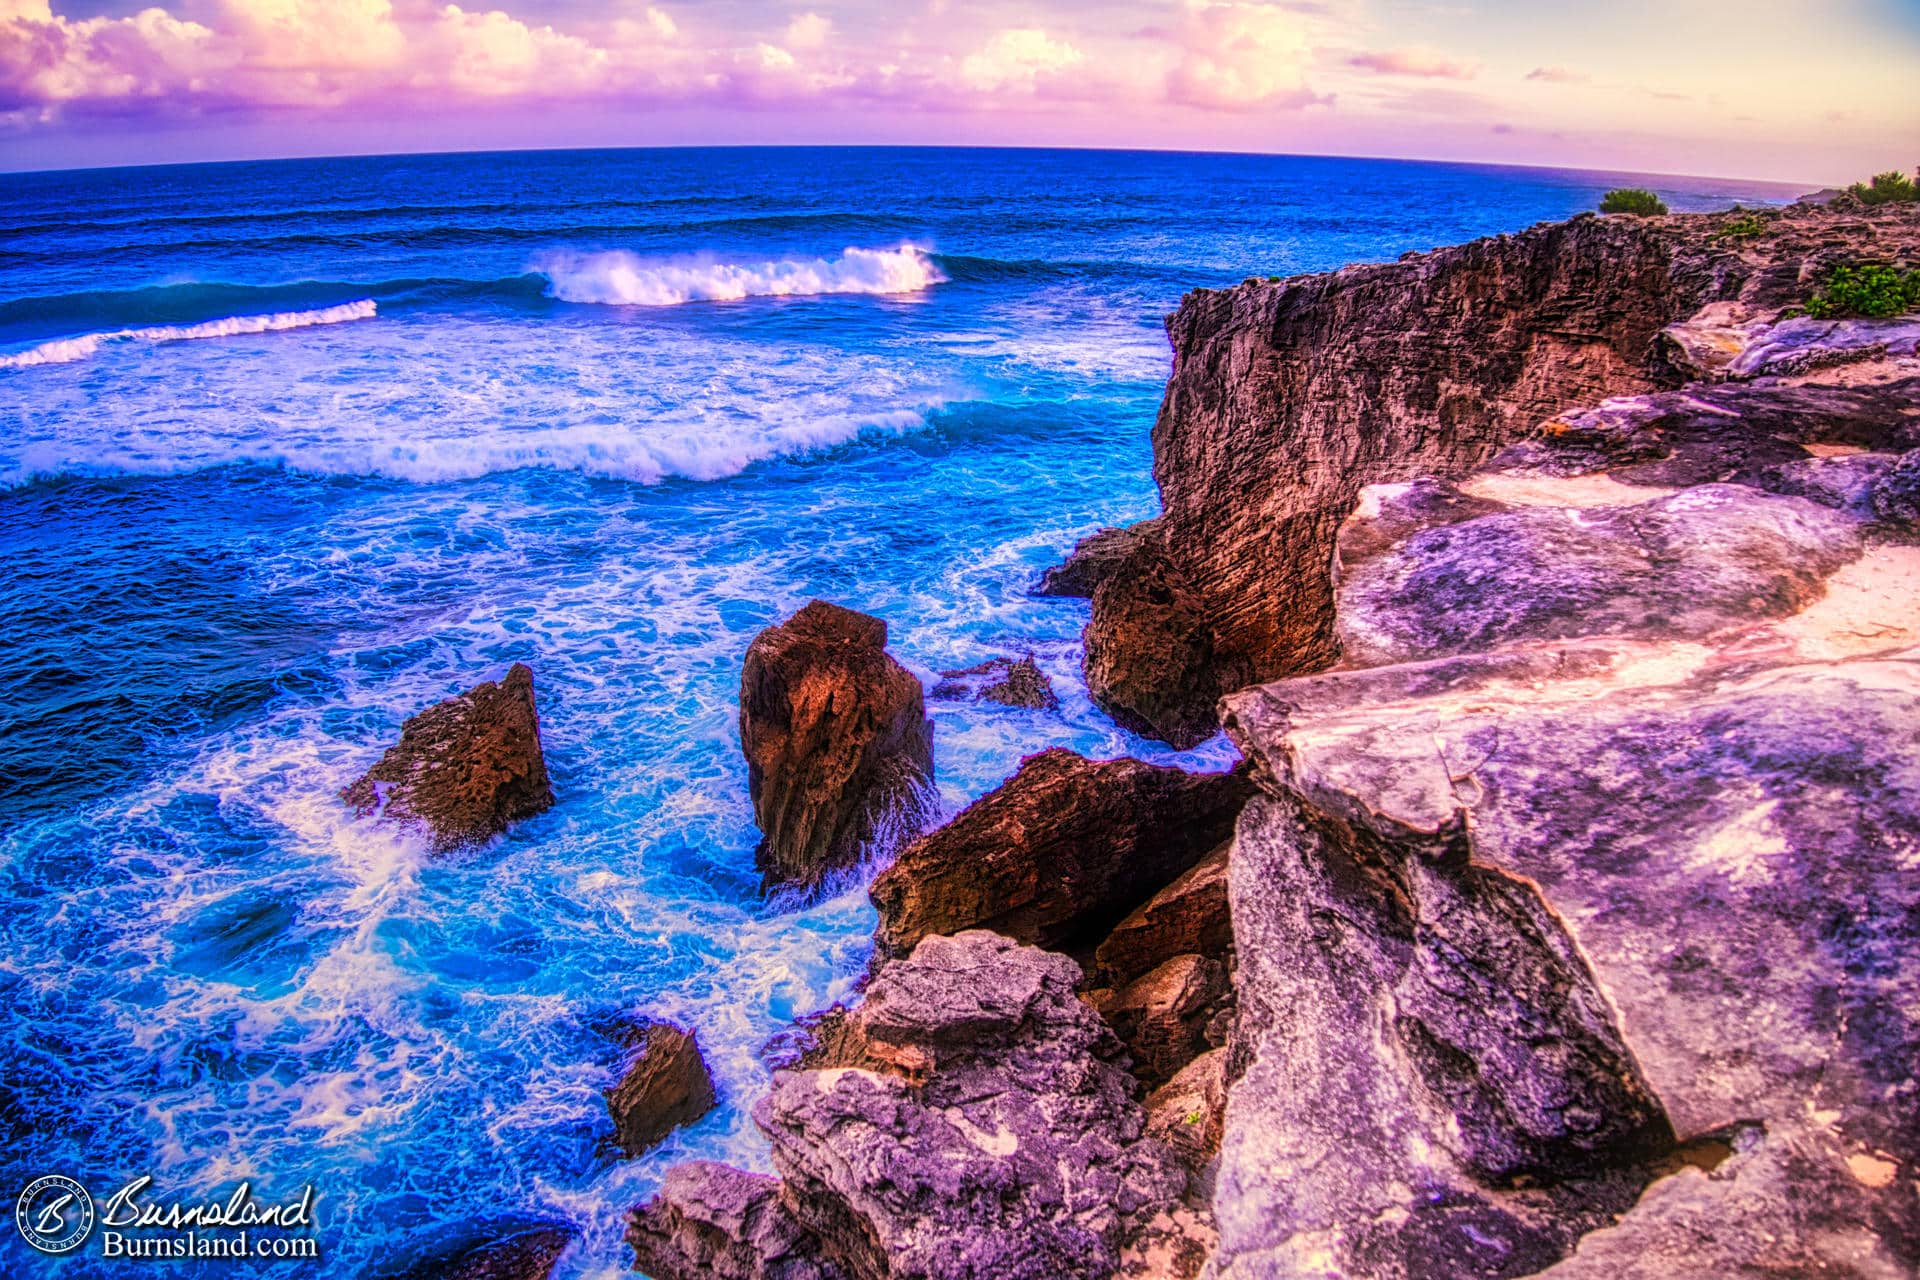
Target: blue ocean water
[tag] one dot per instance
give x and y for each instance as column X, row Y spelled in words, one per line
column 291, row 450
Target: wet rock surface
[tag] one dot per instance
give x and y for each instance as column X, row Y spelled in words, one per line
column 520, row 1251
column 1012, row 682
column 975, row 1125
column 663, row 1085
column 839, row 749
column 1058, row 853
column 1093, row 560
column 464, row 769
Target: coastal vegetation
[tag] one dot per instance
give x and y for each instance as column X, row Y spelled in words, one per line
column 1873, row 290
column 1891, row 187
column 1635, row 200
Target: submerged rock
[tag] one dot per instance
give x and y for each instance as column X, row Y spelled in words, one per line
column 1009, row 681
column 663, row 1086
column 464, row 769
column 1093, row 560
column 525, row 1251
column 1057, row 853
column 839, row 749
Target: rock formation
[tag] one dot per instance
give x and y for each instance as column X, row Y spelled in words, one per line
column 1008, row 681
column 663, row 1086
column 1056, row 854
column 974, row 1126
column 839, row 749
column 463, row 769
column 1093, row 560
column 1569, row 930
column 1286, row 398
column 1595, row 856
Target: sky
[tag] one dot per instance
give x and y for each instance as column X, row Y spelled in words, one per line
column 1819, row 91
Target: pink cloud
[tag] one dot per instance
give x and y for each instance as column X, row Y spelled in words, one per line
column 1415, row 62
column 1558, row 75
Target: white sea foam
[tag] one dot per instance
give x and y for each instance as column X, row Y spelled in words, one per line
column 64, row 350
column 625, row 279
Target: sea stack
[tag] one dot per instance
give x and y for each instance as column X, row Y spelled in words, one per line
column 464, row 769
column 839, row 748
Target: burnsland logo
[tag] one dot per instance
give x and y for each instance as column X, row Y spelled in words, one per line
column 56, row 1215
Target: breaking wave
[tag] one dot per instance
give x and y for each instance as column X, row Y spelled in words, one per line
column 63, row 350
column 625, row 279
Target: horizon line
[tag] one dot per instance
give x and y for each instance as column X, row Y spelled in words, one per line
column 910, row 146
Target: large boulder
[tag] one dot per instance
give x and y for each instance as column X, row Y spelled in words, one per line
column 463, row 769
column 1058, row 853
column 1190, row 915
column 975, row 1126
column 1286, row 398
column 839, row 749
column 663, row 1085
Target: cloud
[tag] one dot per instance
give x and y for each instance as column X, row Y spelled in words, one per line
column 1239, row 56
column 1558, row 75
column 1415, row 62
column 808, row 31
column 1016, row 59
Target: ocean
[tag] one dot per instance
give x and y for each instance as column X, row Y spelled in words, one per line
column 290, row 450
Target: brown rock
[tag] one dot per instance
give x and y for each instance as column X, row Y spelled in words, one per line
column 1093, row 560
column 1188, row 1111
column 1189, row 915
column 1057, row 853
column 665, row 1086
column 464, row 768
column 839, row 749
column 1024, row 685
column 1151, row 661
column 1286, row 398
column 1162, row 1017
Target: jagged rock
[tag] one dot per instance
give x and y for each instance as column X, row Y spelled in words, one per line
column 663, row 1086
column 1526, row 904
column 1187, row 1111
column 712, row 1222
column 1008, row 681
column 1162, row 1016
column 1896, row 493
column 1012, row 1149
column 1093, row 560
column 1150, row 658
column 524, row 1251
column 1057, row 853
column 1189, row 915
column 839, row 749
column 463, row 769
column 1286, row 398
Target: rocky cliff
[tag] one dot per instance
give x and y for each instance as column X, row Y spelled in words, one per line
column 1287, row 398
column 1569, row 930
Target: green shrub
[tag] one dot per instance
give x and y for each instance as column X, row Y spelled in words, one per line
column 1744, row 227
column 1873, row 291
column 1888, row 187
column 1632, row 200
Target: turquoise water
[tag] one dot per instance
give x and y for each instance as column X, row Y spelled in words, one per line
column 608, row 413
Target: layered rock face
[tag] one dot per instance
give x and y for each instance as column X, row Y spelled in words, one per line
column 1056, row 854
column 973, row 1124
column 839, row 749
column 1287, row 398
column 1575, row 920
column 464, row 769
